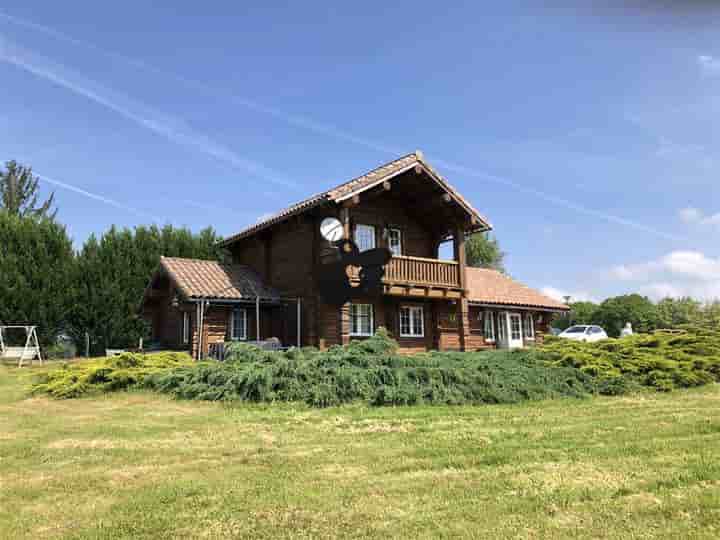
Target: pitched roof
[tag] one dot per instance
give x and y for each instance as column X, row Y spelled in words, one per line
column 367, row 180
column 211, row 279
column 492, row 287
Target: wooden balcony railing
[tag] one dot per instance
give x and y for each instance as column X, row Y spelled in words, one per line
column 424, row 272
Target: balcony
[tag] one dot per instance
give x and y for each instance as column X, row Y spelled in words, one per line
column 423, row 272
column 418, row 276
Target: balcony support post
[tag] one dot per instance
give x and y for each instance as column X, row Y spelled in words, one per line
column 463, row 307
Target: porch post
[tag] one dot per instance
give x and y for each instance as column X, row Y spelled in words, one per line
column 299, row 326
column 463, row 308
column 257, row 318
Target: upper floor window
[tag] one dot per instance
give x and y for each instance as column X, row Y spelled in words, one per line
column 394, row 240
column 361, row 320
column 365, row 237
column 238, row 324
column 412, row 323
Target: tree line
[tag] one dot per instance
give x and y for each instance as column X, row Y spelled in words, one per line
column 96, row 289
column 642, row 313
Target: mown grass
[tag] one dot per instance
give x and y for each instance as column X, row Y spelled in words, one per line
column 141, row 465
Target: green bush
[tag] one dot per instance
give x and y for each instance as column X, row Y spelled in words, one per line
column 373, row 372
column 663, row 360
column 120, row 372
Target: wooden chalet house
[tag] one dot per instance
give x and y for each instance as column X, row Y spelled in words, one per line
column 271, row 288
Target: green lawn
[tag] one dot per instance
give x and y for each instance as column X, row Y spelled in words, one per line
column 138, row 465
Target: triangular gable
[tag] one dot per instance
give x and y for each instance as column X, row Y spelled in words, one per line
column 366, row 182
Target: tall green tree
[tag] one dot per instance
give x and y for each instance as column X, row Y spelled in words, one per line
column 483, row 251
column 675, row 312
column 19, row 193
column 638, row 310
column 36, row 274
column 111, row 275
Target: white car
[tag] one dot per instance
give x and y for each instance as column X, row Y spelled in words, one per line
column 583, row 332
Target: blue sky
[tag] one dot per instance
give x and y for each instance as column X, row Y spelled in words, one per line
column 589, row 137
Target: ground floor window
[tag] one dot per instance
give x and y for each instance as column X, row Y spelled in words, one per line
column 529, row 326
column 185, row 327
column 489, row 326
column 502, row 328
column 515, row 328
column 238, row 324
column 412, row 323
column 361, row 320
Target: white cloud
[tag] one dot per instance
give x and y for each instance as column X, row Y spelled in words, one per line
column 687, row 264
column 709, row 65
column 695, row 216
column 559, row 295
column 679, row 273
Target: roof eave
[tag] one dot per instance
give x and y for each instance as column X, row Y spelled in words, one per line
column 505, row 305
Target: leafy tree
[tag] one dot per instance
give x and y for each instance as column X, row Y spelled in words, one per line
column 710, row 315
column 638, row 310
column 483, row 251
column 36, row 271
column 674, row 312
column 112, row 273
column 580, row 313
column 19, row 193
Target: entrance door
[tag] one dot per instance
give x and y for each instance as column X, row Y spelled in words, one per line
column 516, row 338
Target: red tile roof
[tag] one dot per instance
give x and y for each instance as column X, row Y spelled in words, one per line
column 492, row 287
column 211, row 279
column 365, row 181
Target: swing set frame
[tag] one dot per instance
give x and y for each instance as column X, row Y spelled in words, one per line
column 30, row 351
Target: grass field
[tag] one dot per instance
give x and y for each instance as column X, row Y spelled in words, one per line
column 139, row 465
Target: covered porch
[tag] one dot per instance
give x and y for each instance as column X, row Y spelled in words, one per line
column 198, row 305
column 271, row 323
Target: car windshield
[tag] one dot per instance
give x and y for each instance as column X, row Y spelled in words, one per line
column 576, row 330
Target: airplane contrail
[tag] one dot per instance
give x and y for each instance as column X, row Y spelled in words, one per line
column 174, row 129
column 95, row 196
column 340, row 134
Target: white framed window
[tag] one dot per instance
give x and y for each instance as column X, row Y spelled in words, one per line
column 489, row 326
column 365, row 237
column 361, row 320
column 529, row 326
column 185, row 327
column 515, row 327
column 412, row 321
column 394, row 241
column 238, row 324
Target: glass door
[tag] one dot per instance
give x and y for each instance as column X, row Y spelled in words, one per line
column 516, row 338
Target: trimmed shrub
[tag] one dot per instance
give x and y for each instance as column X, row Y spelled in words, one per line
column 120, row 372
column 663, row 360
column 371, row 371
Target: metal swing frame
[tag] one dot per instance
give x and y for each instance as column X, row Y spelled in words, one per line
column 28, row 352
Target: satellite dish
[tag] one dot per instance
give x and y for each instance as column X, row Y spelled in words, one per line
column 331, row 229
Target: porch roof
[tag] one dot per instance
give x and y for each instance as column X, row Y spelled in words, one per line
column 197, row 279
column 494, row 288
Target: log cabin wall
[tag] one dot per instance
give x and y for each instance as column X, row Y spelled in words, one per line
column 283, row 257
column 384, row 213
